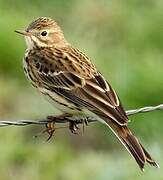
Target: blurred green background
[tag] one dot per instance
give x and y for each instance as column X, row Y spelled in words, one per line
column 125, row 40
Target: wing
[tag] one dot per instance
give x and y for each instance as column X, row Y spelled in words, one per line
column 80, row 84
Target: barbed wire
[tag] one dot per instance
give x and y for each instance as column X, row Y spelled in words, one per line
column 89, row 119
column 144, row 109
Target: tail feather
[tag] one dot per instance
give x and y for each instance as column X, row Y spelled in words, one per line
column 132, row 145
column 135, row 149
column 149, row 158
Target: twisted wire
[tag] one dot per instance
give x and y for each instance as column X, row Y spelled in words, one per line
column 89, row 119
column 144, row 109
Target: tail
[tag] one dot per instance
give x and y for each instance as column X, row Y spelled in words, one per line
column 133, row 145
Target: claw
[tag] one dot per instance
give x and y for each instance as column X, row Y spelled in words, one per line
column 50, row 129
column 73, row 127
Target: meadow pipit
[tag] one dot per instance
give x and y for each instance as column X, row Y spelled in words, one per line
column 72, row 83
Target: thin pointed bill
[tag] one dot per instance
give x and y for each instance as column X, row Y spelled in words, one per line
column 24, row 33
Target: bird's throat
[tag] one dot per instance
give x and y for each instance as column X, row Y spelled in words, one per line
column 29, row 42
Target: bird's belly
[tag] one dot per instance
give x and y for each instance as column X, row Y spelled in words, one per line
column 59, row 102
column 64, row 106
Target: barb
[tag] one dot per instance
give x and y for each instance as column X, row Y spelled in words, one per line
column 89, row 120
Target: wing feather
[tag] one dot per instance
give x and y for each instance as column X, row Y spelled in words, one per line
column 89, row 91
column 87, row 96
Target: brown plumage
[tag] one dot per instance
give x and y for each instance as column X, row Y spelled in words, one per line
column 72, row 83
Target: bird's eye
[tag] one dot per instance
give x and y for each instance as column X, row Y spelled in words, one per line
column 44, row 33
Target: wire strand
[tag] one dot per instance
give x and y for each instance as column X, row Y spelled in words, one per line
column 89, row 119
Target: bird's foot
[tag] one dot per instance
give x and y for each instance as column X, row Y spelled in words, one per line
column 51, row 125
column 50, row 129
column 73, row 126
column 63, row 117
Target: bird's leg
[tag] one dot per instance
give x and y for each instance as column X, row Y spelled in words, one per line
column 50, row 126
column 50, row 129
column 84, row 123
column 73, row 125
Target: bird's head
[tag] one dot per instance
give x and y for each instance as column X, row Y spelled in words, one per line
column 43, row 32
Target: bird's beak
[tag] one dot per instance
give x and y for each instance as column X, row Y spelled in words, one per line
column 24, row 33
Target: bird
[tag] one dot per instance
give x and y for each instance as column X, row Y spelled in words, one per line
column 71, row 82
